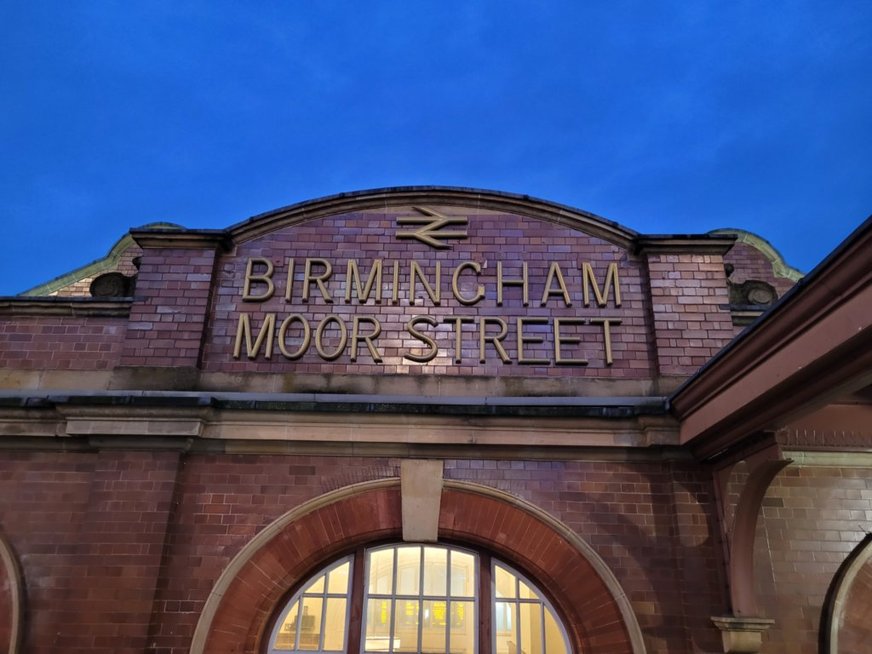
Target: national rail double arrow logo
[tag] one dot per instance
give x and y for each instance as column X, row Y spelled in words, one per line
column 431, row 229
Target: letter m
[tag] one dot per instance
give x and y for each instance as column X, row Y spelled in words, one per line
column 589, row 280
column 266, row 333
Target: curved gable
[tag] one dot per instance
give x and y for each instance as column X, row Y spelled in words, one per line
column 470, row 199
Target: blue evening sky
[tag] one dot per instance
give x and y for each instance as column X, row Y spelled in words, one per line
column 680, row 116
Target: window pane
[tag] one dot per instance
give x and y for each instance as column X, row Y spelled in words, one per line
column 287, row 633
column 406, row 626
column 434, row 622
column 526, row 592
column 381, row 572
column 505, row 583
column 435, row 571
column 337, row 582
column 462, row 574
column 310, row 623
column 504, row 628
column 463, row 627
column 334, row 626
column 554, row 641
column 530, row 619
column 408, row 570
column 317, row 586
column 378, row 625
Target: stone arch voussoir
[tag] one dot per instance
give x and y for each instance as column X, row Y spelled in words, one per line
column 283, row 554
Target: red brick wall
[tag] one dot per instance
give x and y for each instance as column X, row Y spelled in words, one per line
column 813, row 517
column 90, row 530
column 689, row 300
column 60, row 342
column 168, row 318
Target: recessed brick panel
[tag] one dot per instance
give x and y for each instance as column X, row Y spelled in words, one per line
column 492, row 238
column 60, row 342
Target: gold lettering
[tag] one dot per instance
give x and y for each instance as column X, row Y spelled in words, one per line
column 415, row 272
column 458, row 345
column 455, row 287
column 352, row 277
column 588, row 280
column 554, row 272
column 243, row 330
column 319, row 338
column 522, row 339
column 309, row 278
column 503, row 282
column 496, row 340
column 607, row 335
column 283, row 333
column 433, row 350
column 356, row 337
column 560, row 340
column 266, row 278
column 395, row 292
column 289, row 284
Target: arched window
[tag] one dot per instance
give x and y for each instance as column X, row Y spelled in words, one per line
column 410, row 598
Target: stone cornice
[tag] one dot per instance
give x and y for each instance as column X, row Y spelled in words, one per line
column 716, row 244
column 64, row 306
column 188, row 239
column 149, row 419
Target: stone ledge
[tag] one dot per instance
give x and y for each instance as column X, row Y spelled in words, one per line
column 742, row 635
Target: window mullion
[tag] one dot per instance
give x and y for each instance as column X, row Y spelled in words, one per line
column 356, row 607
column 393, row 601
column 485, row 605
column 421, row 599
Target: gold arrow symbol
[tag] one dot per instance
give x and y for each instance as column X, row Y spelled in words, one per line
column 429, row 230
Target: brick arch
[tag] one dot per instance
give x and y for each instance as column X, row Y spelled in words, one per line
column 237, row 612
column 10, row 599
column 848, row 610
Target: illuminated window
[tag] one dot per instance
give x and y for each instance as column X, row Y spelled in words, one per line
column 418, row 598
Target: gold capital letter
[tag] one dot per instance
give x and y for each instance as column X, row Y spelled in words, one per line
column 319, row 338
column 455, row 287
column 458, row 345
column 554, row 272
column 266, row 278
column 433, row 350
column 560, row 340
column 283, row 332
column 416, row 273
column 243, row 330
column 589, row 280
column 308, row 278
column 503, row 282
column 352, row 278
column 496, row 340
column 607, row 335
column 356, row 337
column 522, row 339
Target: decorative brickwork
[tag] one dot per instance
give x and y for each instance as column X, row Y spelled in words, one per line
column 60, row 342
column 690, row 307
column 813, row 517
column 169, row 315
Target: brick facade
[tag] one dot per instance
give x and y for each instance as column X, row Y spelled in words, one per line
column 154, row 463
